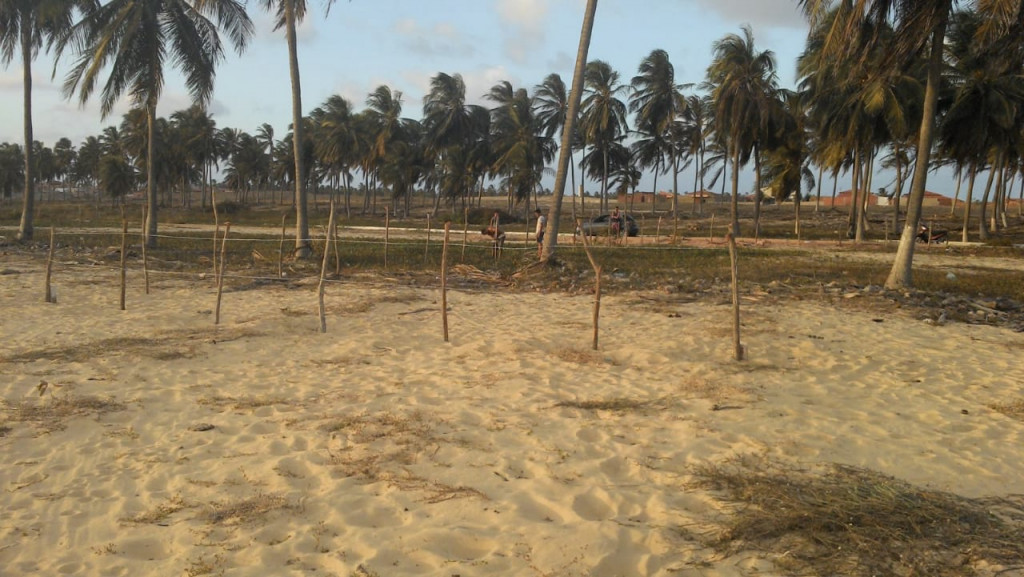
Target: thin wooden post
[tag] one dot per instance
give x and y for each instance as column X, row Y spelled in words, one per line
column 337, row 253
column 50, row 296
column 465, row 233
column 124, row 253
column 444, row 281
column 657, row 232
column 597, row 285
column 220, row 271
column 643, row 228
column 387, row 235
column 711, row 230
column 145, row 258
column 735, row 298
column 323, row 273
column 426, row 248
column 280, row 248
column 216, row 229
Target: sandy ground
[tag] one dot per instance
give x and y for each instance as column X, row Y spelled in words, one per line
column 152, row 442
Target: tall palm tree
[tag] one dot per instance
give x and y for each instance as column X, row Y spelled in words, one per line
column 740, row 77
column 603, row 123
column 25, row 26
column 455, row 133
column 289, row 13
column 133, row 38
column 920, row 28
column 568, row 132
column 521, row 147
column 696, row 127
column 658, row 102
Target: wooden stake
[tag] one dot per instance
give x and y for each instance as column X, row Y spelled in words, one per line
column 735, row 298
column 337, row 253
column 124, row 253
column 145, row 258
column 50, row 297
column 444, row 281
column 597, row 284
column 323, row 273
column 711, row 231
column 280, row 249
column 220, row 271
column 216, row 228
column 387, row 235
column 426, row 248
column 465, row 233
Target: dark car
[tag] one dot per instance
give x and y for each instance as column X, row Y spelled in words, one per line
column 599, row 225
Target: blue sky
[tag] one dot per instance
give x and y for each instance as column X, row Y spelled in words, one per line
column 359, row 45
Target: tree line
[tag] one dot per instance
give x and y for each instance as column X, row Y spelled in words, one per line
column 902, row 85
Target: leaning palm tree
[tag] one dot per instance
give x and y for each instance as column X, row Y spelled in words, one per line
column 25, row 25
column 133, row 38
column 568, row 131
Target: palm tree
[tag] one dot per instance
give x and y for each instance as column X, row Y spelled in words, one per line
column 12, row 169
column 658, row 102
column 289, row 13
column 551, row 106
column 455, row 132
column 920, row 28
column 25, row 25
column 568, row 132
column 696, row 128
column 603, row 123
column 741, row 80
column 521, row 147
column 132, row 38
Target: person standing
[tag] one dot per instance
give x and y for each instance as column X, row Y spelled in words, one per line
column 542, row 223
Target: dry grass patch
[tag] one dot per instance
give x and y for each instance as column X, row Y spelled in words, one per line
column 51, row 414
column 581, row 357
column 617, row 405
column 158, row 514
column 224, row 402
column 244, row 512
column 851, row 521
column 1014, row 409
column 167, row 346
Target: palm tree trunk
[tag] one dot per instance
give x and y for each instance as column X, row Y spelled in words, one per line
column 735, row 206
column 565, row 151
column 151, row 198
column 302, row 242
column 25, row 229
column 969, row 200
column 901, row 274
column 982, row 225
column 757, row 191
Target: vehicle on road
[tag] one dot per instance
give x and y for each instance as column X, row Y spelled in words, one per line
column 601, row 226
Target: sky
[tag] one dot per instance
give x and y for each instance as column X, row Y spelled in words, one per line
column 357, row 45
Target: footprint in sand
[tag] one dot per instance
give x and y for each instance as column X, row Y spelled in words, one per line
column 594, row 505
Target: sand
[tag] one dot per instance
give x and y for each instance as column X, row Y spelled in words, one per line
column 151, row 442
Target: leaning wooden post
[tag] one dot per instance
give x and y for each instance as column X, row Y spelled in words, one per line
column 124, row 253
column 50, row 297
column 280, row 248
column 444, row 281
column 597, row 284
column 323, row 273
column 145, row 258
column 657, row 233
column 220, row 271
column 735, row 298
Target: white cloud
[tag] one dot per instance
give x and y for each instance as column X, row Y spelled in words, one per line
column 439, row 39
column 524, row 22
column 773, row 13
